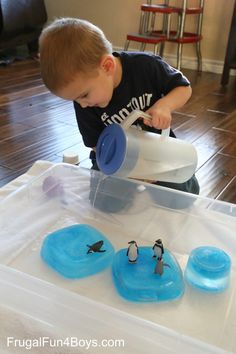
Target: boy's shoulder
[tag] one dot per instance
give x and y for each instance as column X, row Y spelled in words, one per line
column 137, row 57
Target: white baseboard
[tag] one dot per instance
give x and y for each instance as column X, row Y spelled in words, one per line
column 214, row 66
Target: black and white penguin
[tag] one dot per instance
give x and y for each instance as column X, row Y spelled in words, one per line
column 158, row 249
column 96, row 247
column 132, row 251
column 159, row 268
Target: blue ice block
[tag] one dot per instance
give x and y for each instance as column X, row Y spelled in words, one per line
column 208, row 269
column 138, row 282
column 66, row 251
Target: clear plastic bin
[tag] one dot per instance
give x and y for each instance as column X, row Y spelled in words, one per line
column 91, row 308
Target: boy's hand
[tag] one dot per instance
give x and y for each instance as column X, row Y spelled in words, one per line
column 161, row 117
column 161, row 110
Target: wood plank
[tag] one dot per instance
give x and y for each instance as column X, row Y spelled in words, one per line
column 178, row 119
column 62, row 113
column 210, row 143
column 35, row 91
column 194, row 128
column 228, row 124
column 42, row 150
column 31, row 80
column 223, row 103
column 214, row 102
column 23, row 65
column 230, row 149
column 216, row 174
column 5, row 172
column 229, row 193
column 38, row 100
column 202, row 83
column 12, row 130
column 41, row 136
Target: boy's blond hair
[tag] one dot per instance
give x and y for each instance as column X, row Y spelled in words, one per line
column 69, row 46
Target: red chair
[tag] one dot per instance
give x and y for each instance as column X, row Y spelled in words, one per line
column 148, row 34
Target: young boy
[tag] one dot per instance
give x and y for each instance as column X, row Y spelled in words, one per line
column 77, row 64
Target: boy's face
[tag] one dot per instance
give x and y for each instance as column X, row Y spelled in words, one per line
column 91, row 90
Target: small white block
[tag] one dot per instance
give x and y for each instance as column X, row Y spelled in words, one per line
column 141, row 188
column 71, row 157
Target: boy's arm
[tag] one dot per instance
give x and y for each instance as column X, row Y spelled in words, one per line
column 162, row 109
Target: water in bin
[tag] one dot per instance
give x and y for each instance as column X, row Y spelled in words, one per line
column 124, row 151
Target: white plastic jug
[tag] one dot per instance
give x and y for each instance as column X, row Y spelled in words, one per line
column 125, row 151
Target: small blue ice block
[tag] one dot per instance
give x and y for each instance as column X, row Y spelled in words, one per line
column 66, row 251
column 208, row 269
column 138, row 282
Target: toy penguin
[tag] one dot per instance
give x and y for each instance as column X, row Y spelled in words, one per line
column 159, row 268
column 158, row 249
column 96, row 247
column 132, row 251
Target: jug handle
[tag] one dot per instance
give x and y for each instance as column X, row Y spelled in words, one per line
column 133, row 116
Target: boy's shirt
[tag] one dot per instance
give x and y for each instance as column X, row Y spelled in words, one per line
column 145, row 79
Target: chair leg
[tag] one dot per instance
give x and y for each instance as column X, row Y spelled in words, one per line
column 141, row 23
column 145, row 22
column 162, row 47
column 153, row 17
column 156, row 47
column 126, row 45
column 199, row 56
column 199, row 31
column 142, row 47
column 179, row 55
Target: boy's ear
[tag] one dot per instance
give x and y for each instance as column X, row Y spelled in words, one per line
column 108, row 64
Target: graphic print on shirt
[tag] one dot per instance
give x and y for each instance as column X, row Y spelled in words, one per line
column 141, row 103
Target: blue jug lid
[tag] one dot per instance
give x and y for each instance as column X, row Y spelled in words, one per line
column 111, row 149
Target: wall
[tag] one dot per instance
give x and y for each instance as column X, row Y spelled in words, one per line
column 119, row 17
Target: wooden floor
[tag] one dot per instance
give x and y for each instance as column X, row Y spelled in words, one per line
column 35, row 125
